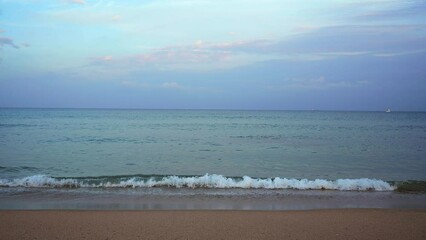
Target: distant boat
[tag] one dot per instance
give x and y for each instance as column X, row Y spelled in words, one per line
column 388, row 111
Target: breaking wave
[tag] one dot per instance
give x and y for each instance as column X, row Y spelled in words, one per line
column 205, row 181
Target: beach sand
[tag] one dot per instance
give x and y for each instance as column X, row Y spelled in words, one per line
column 201, row 224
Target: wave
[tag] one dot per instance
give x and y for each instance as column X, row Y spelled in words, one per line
column 18, row 169
column 205, row 181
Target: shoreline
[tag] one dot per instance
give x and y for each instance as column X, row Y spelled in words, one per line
column 214, row 224
column 203, row 199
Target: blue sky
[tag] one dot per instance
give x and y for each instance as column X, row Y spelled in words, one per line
column 221, row 54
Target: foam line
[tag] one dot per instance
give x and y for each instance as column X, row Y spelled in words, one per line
column 206, row 181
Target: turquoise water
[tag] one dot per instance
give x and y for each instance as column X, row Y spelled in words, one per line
column 264, row 144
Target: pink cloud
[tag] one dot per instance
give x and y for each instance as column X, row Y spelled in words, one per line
column 197, row 53
column 101, row 60
column 234, row 46
column 77, row 1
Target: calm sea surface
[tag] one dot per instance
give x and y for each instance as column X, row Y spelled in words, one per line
column 285, row 144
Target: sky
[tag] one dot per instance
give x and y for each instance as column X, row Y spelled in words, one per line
column 214, row 54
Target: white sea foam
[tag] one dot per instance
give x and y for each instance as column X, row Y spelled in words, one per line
column 206, row 181
column 39, row 181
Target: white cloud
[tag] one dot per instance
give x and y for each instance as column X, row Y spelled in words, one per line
column 171, row 85
column 402, row 53
column 318, row 83
column 146, row 85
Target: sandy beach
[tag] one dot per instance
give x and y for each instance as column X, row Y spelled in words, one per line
column 200, row 224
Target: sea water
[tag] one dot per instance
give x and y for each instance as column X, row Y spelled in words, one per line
column 224, row 149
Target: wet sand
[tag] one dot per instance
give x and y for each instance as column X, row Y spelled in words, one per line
column 201, row 198
column 207, row 224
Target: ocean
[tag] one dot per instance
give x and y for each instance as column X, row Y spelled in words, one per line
column 225, row 152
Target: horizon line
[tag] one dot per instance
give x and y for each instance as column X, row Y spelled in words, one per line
column 207, row 109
